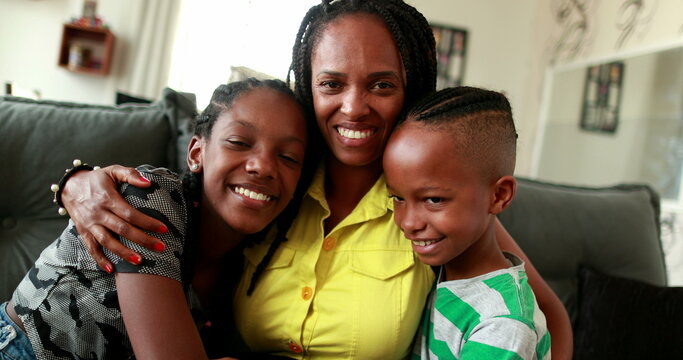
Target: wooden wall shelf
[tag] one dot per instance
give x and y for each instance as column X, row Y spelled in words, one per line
column 86, row 49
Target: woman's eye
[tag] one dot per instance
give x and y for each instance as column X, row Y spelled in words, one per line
column 383, row 85
column 329, row 84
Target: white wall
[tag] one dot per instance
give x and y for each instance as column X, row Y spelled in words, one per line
column 29, row 49
column 500, row 54
column 576, row 156
column 511, row 43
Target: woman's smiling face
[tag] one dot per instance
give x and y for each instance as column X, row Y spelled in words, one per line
column 358, row 87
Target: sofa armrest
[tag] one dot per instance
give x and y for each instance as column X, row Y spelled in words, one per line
column 41, row 138
column 612, row 229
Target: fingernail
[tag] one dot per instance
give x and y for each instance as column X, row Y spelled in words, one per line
column 135, row 259
column 143, row 179
column 108, row 269
column 162, row 229
column 159, row 247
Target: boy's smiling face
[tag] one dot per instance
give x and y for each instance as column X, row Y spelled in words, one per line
column 441, row 201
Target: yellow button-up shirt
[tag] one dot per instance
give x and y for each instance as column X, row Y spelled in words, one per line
column 357, row 293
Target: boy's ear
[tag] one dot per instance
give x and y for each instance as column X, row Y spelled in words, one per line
column 503, row 191
column 194, row 152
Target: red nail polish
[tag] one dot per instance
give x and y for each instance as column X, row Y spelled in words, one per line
column 162, row 229
column 135, row 259
column 143, row 179
column 159, row 247
column 108, row 269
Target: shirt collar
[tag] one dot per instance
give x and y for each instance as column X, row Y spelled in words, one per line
column 374, row 204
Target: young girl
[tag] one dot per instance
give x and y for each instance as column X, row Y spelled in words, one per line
column 245, row 160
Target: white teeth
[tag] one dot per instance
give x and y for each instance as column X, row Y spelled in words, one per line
column 354, row 134
column 252, row 194
column 424, row 243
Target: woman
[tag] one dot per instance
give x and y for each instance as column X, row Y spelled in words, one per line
column 345, row 283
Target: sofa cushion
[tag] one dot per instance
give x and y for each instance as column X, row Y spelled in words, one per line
column 612, row 229
column 627, row 319
column 39, row 141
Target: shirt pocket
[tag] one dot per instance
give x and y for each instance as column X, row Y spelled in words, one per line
column 381, row 264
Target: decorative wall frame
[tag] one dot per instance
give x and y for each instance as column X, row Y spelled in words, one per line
column 602, row 97
column 451, row 52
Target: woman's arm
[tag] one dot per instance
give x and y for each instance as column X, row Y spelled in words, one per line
column 157, row 318
column 561, row 337
column 98, row 211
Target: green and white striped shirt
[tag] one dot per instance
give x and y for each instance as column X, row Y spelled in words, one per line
column 491, row 316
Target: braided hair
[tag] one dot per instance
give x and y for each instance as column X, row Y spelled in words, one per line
column 415, row 42
column 411, row 32
column 481, row 121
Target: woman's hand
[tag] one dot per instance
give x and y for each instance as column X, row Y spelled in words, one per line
column 99, row 212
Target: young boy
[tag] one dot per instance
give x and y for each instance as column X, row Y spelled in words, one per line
column 449, row 169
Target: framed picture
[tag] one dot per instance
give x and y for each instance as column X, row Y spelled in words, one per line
column 89, row 10
column 602, row 97
column 451, row 52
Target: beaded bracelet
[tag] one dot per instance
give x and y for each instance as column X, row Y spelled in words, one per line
column 57, row 188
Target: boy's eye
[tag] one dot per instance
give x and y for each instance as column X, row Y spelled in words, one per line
column 395, row 197
column 434, row 200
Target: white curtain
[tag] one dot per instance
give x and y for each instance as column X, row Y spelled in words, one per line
column 144, row 54
column 214, row 37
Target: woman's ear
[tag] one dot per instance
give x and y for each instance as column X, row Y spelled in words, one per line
column 194, row 154
column 503, row 191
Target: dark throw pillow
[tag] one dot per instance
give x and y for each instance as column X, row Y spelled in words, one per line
column 621, row 318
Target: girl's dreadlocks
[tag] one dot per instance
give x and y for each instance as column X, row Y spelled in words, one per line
column 415, row 42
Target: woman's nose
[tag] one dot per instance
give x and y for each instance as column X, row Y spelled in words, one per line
column 355, row 104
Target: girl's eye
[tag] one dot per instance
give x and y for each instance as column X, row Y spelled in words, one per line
column 434, row 200
column 290, row 159
column 238, row 143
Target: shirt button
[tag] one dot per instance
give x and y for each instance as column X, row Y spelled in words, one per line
column 306, row 293
column 295, row 348
column 328, row 244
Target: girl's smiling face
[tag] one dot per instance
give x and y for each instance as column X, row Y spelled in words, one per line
column 252, row 160
column 358, row 87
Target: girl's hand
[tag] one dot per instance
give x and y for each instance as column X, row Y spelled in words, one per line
column 99, row 212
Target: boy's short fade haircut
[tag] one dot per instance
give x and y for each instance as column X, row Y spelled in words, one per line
column 480, row 121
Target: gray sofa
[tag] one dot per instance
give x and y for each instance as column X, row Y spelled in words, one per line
column 40, row 139
column 582, row 240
